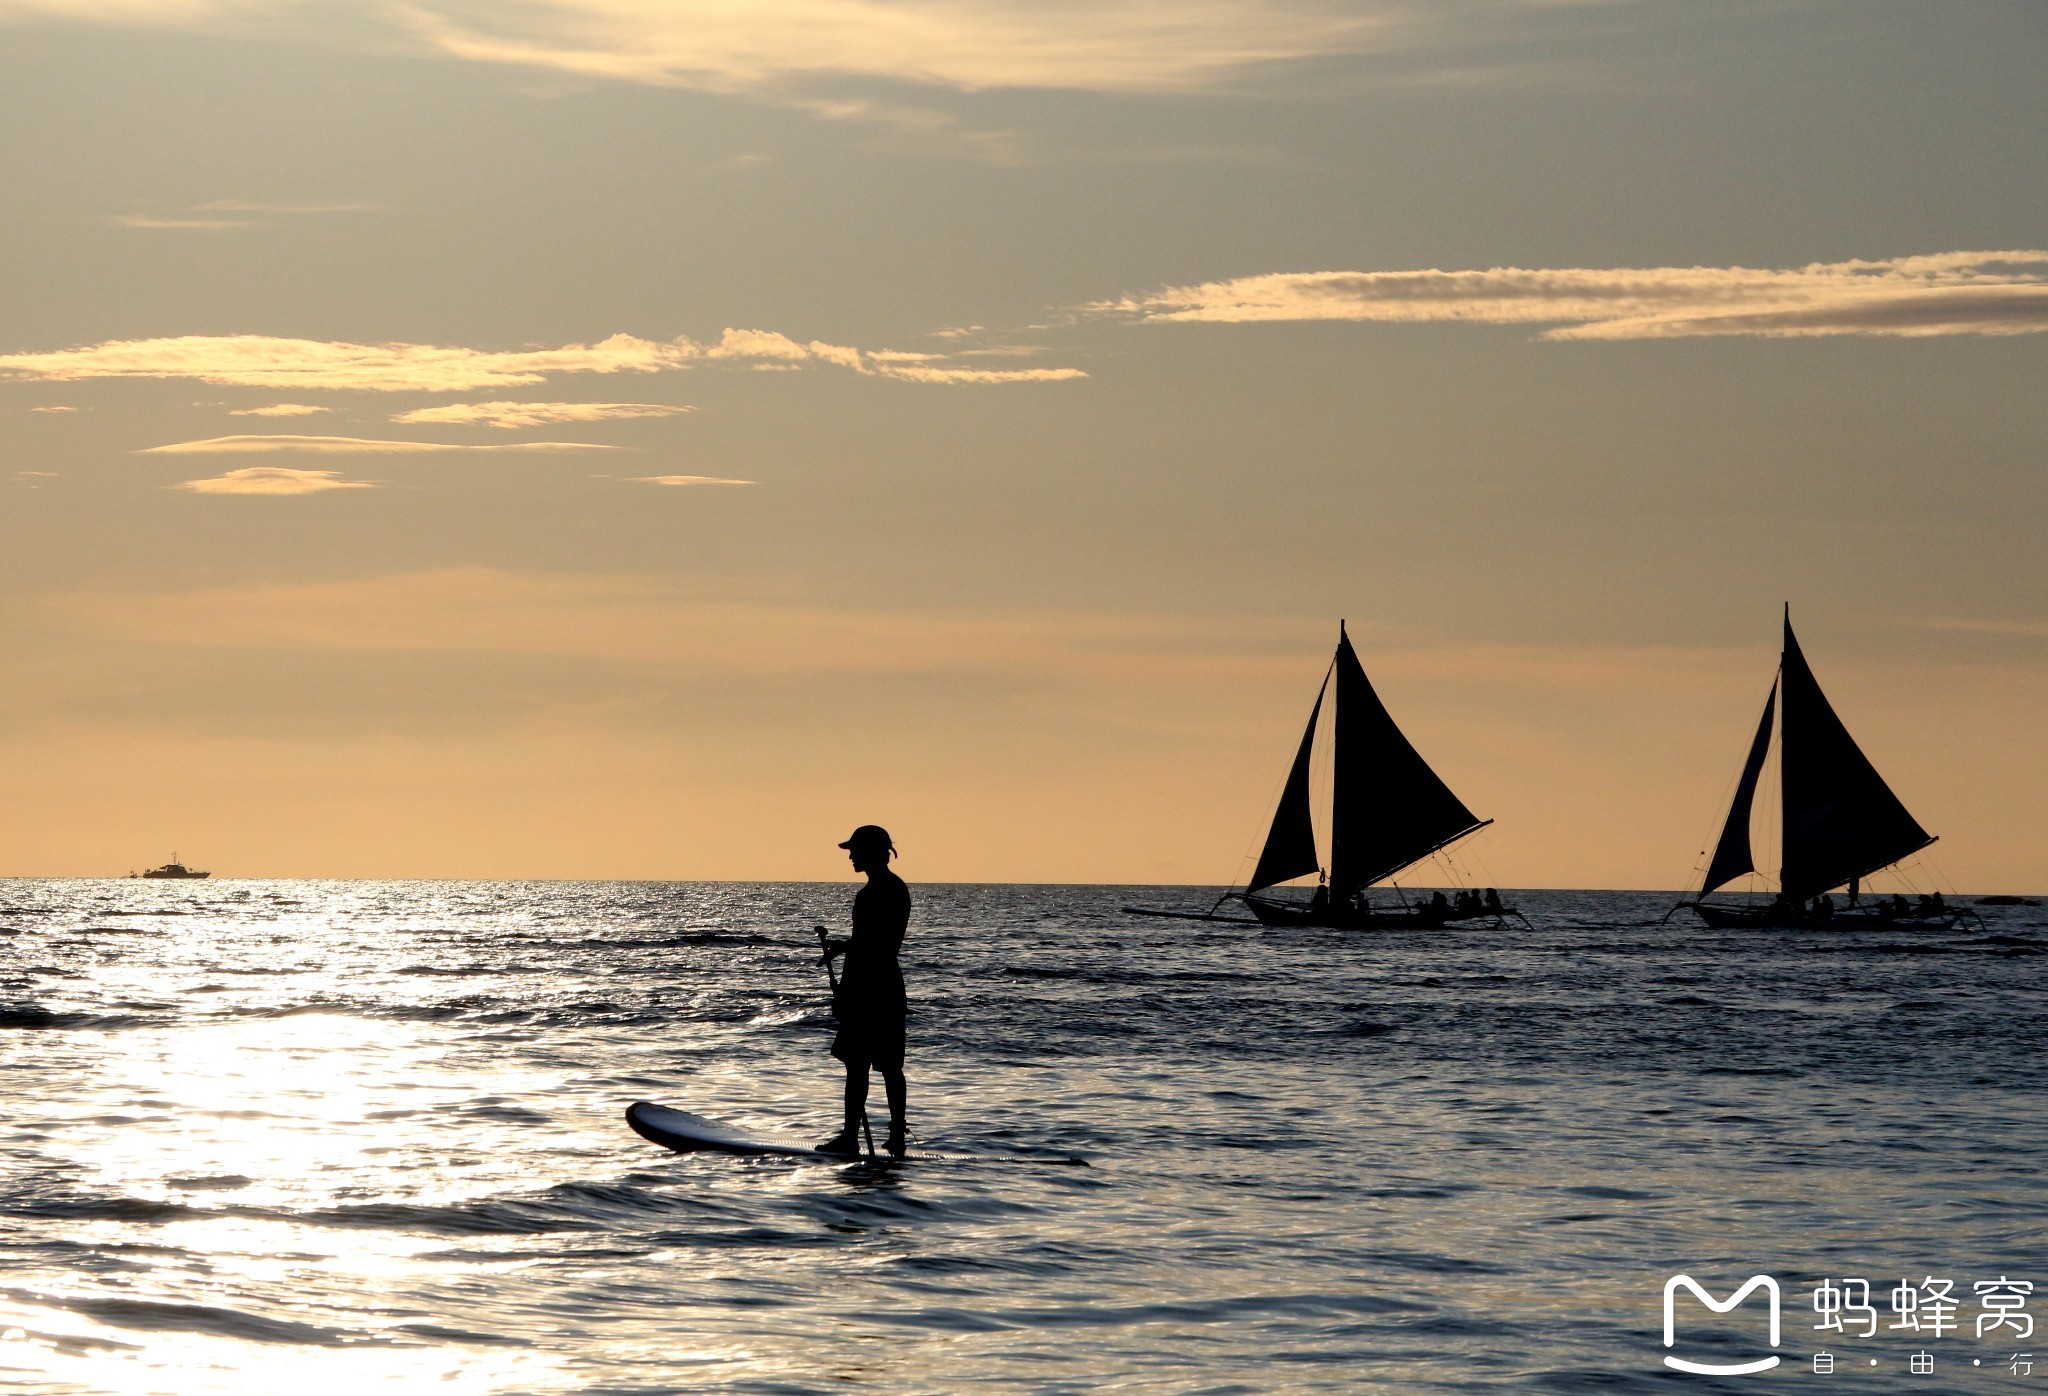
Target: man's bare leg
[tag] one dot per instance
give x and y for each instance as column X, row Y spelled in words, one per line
column 847, row 1141
column 856, row 1096
column 899, row 1097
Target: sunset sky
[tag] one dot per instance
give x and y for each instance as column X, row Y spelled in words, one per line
column 627, row 438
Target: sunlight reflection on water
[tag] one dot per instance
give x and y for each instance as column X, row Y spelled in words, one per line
column 323, row 1137
column 96, row 1357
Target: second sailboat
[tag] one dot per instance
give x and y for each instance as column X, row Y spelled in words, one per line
column 1840, row 823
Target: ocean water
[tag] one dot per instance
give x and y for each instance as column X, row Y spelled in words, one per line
column 314, row 1137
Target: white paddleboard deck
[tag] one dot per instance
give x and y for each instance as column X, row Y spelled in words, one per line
column 693, row 1134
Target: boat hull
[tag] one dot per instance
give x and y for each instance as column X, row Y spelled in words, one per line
column 1766, row 917
column 1276, row 912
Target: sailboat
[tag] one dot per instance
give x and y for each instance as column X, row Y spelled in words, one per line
column 1841, row 821
column 1388, row 811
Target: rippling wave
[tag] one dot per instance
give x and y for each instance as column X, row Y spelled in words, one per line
column 306, row 1137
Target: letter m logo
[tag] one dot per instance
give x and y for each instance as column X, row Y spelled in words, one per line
column 1719, row 1306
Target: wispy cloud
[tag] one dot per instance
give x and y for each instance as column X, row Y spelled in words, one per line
column 274, row 480
column 933, row 373
column 53, row 409
column 855, row 61
column 263, row 361
column 208, row 217
column 770, row 348
column 1105, row 46
column 845, row 61
column 1952, row 293
column 351, row 446
column 279, row 409
column 181, row 223
column 680, row 480
column 534, row 414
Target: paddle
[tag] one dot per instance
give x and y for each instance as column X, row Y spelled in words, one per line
column 832, row 977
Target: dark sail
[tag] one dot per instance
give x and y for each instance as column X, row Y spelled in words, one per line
column 1841, row 820
column 1388, row 808
column 1291, row 843
column 1732, row 857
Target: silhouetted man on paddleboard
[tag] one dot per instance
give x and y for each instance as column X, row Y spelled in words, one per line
column 868, row 999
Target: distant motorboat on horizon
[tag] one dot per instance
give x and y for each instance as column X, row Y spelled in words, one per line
column 173, row 869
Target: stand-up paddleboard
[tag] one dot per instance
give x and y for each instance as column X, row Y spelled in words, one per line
column 693, row 1134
